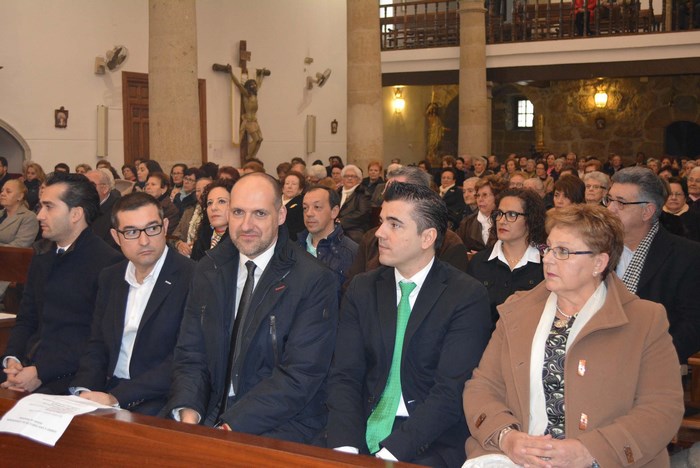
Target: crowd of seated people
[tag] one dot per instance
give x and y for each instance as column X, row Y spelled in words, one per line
column 285, row 299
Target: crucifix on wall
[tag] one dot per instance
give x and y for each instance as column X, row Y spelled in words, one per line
column 249, row 133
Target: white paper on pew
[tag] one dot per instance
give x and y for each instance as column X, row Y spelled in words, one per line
column 5, row 315
column 44, row 418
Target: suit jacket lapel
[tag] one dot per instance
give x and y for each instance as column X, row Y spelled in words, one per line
column 161, row 289
column 659, row 250
column 428, row 296
column 119, row 296
column 386, row 309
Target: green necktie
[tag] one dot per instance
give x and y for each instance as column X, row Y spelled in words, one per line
column 381, row 421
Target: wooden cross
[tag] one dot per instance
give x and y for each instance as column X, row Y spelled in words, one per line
column 243, row 57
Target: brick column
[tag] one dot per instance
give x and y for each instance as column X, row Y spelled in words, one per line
column 365, row 118
column 173, row 103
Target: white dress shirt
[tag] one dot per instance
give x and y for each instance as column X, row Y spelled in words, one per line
column 139, row 294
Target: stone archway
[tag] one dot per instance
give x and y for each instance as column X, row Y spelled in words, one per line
column 13, row 147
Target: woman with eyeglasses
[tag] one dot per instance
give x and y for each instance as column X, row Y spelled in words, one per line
column 513, row 262
column 579, row 372
column 677, row 217
column 596, row 184
column 475, row 229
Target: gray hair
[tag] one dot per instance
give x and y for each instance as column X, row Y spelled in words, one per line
column 413, row 175
column 353, row 168
column 651, row 187
column 601, row 178
column 316, row 171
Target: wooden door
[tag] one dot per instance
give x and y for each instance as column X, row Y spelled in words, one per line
column 135, row 102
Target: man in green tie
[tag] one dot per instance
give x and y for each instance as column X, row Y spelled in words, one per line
column 410, row 334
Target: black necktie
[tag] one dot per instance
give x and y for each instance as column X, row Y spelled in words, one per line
column 243, row 306
column 60, row 252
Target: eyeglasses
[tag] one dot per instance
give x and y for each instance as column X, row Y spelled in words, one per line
column 350, row 176
column 511, row 216
column 594, row 187
column 607, row 201
column 676, row 194
column 134, row 233
column 560, row 253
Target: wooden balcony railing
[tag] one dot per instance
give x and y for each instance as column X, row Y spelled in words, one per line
column 435, row 23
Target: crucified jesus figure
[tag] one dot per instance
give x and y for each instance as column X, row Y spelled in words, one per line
column 249, row 98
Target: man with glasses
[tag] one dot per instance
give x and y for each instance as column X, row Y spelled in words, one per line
column 53, row 323
column 694, row 189
column 139, row 307
column 655, row 264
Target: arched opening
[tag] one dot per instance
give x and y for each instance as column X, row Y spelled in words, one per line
column 13, row 147
column 682, row 139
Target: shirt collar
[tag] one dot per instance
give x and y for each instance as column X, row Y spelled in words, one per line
column 130, row 275
column 531, row 255
column 418, row 278
column 261, row 260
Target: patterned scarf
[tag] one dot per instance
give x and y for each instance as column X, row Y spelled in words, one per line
column 194, row 224
column 634, row 269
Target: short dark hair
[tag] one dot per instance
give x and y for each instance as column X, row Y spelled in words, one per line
column 451, row 170
column 79, row 193
column 429, row 210
column 3, row 161
column 680, row 181
column 533, row 206
column 211, row 169
column 573, row 188
column 195, row 172
column 230, row 171
column 333, row 196
column 182, row 165
column 152, row 166
column 131, row 202
column 164, row 179
column 61, row 167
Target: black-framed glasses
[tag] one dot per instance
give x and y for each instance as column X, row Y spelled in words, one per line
column 607, row 201
column 134, row 233
column 511, row 216
column 561, row 253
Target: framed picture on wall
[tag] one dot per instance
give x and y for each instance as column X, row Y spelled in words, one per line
column 60, row 117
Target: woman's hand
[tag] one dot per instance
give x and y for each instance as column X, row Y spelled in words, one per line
column 527, row 450
column 184, row 248
column 569, row 453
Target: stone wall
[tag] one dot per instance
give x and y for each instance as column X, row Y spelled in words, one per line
column 635, row 117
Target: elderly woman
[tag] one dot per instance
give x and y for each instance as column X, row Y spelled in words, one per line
column 513, row 263
column 579, row 372
column 374, row 177
column 475, row 230
column 18, row 225
column 83, row 168
column 354, row 204
column 596, row 184
column 293, row 186
column 677, row 216
column 541, row 172
column 569, row 190
column 469, row 194
column 213, row 227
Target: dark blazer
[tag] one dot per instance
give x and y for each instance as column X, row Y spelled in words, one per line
column 500, row 281
column 295, row 216
column 454, row 200
column 150, row 367
column 103, row 223
column 671, row 276
column 355, row 213
column 53, row 323
column 447, row 332
column 281, row 368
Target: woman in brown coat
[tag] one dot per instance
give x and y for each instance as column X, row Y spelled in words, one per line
column 579, row 372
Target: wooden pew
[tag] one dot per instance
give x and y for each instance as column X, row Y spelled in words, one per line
column 120, row 438
column 14, row 266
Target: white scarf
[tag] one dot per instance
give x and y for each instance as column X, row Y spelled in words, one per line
column 538, row 413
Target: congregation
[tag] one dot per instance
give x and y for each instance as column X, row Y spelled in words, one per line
column 433, row 315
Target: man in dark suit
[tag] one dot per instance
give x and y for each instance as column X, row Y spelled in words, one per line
column 139, row 307
column 53, row 323
column 259, row 329
column 399, row 370
column 103, row 181
column 656, row 265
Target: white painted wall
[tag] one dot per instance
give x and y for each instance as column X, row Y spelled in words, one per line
column 49, row 48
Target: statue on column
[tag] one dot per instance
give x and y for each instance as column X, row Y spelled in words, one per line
column 436, row 130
